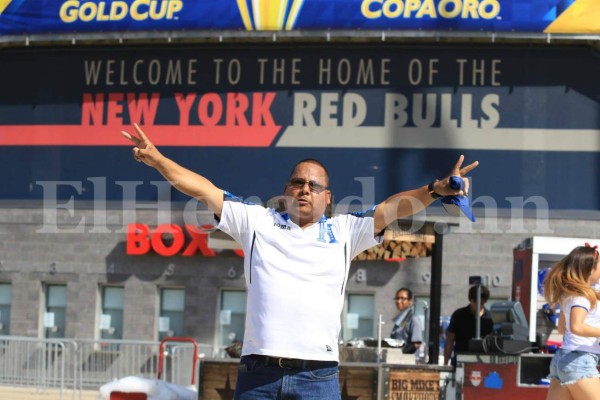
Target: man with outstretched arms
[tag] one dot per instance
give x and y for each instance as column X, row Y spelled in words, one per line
column 296, row 263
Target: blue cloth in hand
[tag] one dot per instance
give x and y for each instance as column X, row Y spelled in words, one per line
column 455, row 204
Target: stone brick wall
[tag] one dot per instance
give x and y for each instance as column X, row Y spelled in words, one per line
column 85, row 256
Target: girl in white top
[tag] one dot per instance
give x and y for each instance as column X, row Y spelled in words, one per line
column 574, row 367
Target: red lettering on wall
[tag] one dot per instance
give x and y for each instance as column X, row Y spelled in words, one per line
column 237, row 104
column 103, row 114
column 169, row 240
column 199, row 241
column 114, row 112
column 210, row 109
column 239, row 252
column 141, row 109
column 262, row 109
column 184, row 103
column 160, row 246
column 92, row 109
column 138, row 240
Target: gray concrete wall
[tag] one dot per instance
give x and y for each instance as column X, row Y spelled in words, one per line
column 31, row 255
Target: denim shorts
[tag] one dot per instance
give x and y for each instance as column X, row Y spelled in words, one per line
column 568, row 367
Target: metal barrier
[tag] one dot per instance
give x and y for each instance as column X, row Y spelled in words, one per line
column 75, row 365
column 36, row 363
column 102, row 361
column 177, row 346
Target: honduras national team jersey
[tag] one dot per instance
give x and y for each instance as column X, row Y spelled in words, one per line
column 295, row 277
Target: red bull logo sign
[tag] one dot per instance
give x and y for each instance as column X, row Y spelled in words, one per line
column 475, row 378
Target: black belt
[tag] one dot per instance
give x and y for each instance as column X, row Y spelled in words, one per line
column 293, row 363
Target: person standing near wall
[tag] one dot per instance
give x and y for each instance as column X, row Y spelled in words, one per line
column 296, row 267
column 574, row 367
column 407, row 326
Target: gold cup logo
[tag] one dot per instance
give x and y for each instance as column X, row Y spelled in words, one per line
column 269, row 15
column 3, row 5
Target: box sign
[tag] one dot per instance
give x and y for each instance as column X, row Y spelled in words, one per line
column 170, row 240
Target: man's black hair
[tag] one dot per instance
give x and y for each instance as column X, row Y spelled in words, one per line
column 312, row 161
column 485, row 293
column 407, row 290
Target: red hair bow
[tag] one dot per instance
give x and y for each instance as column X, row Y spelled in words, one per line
column 593, row 247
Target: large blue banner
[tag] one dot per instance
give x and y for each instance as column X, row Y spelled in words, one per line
column 73, row 16
column 383, row 118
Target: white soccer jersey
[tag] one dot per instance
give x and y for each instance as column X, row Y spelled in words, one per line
column 295, row 277
column 574, row 342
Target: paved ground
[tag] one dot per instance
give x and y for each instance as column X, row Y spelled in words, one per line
column 24, row 393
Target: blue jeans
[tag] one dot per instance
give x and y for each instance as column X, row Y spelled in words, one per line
column 257, row 381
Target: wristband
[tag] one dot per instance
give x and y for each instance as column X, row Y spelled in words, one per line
column 432, row 192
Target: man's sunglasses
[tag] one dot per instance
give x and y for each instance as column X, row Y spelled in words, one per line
column 314, row 187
